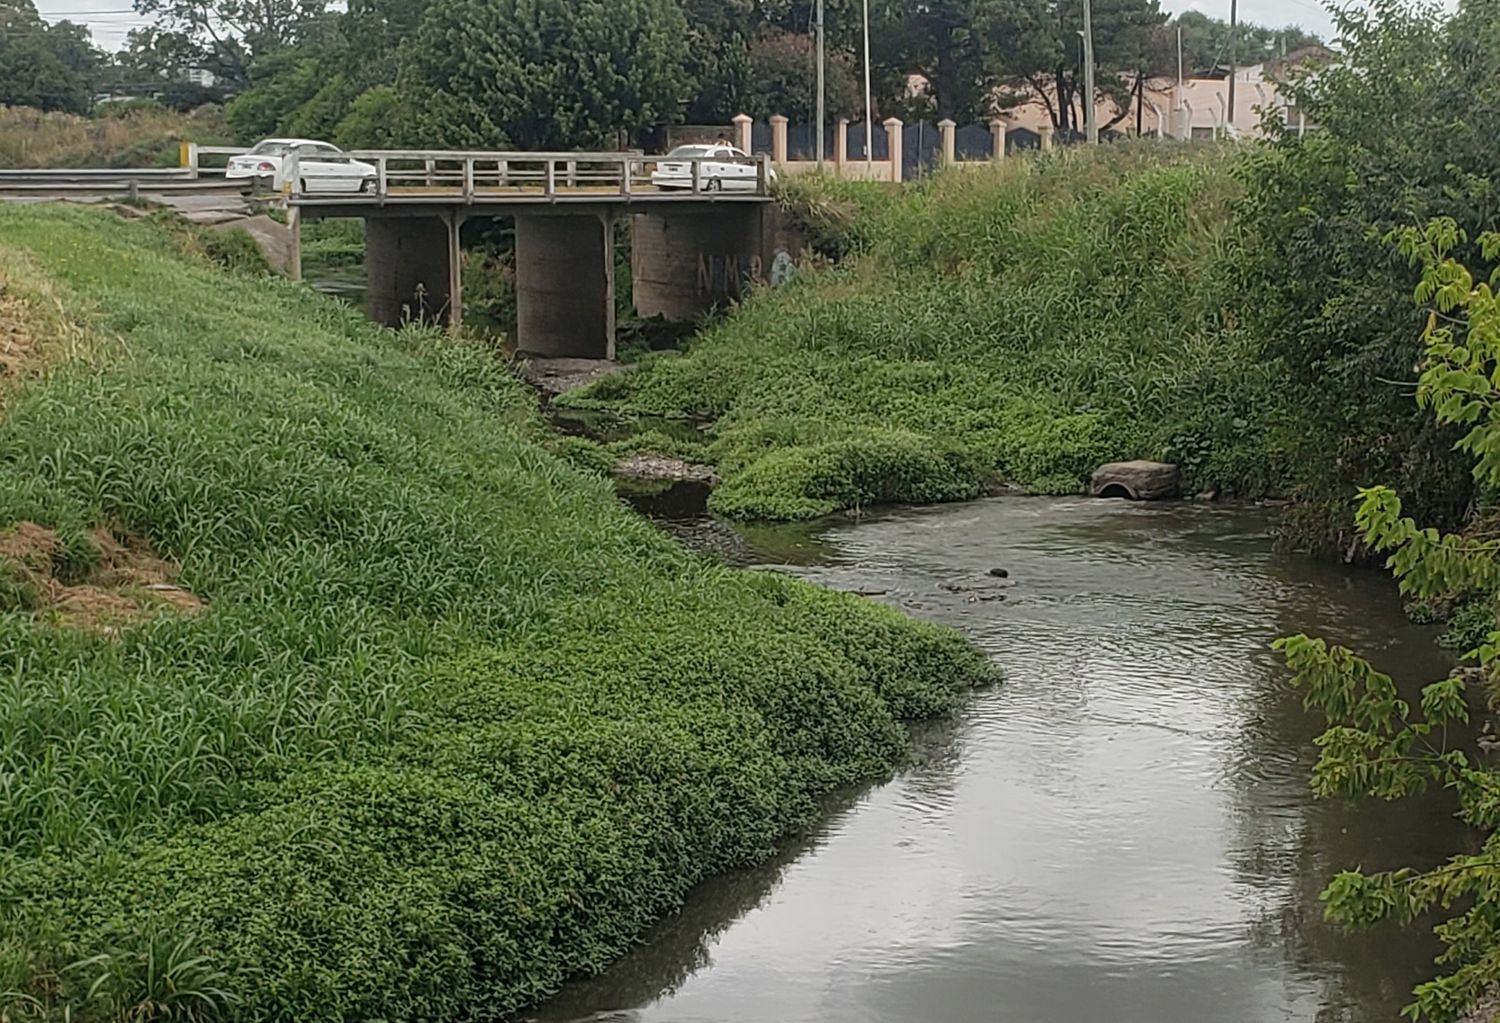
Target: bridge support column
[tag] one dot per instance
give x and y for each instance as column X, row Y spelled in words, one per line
column 412, row 270
column 685, row 263
column 565, row 285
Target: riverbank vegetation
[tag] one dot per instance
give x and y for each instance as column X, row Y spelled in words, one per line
column 327, row 692
column 1240, row 311
column 1017, row 324
column 134, row 136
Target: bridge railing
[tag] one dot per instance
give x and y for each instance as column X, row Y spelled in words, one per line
column 442, row 175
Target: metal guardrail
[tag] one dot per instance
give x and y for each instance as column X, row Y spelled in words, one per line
column 470, row 176
column 414, row 176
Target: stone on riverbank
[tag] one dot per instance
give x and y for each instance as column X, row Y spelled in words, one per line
column 1137, row 480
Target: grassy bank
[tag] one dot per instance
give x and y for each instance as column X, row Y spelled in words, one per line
column 1019, row 324
column 136, row 137
column 431, row 721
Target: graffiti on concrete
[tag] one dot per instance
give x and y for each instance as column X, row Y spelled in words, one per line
column 732, row 275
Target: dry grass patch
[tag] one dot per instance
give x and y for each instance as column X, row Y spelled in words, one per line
column 92, row 581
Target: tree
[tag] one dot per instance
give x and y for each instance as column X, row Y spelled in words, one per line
column 49, row 67
column 783, row 76
column 225, row 37
column 1377, row 744
column 1408, row 128
column 1205, row 41
column 549, row 74
column 947, row 42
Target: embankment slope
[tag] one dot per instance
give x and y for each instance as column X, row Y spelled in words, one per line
column 1018, row 323
column 450, row 723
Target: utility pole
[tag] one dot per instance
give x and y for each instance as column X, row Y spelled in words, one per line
column 1090, row 123
column 822, row 114
column 1234, row 41
column 869, row 101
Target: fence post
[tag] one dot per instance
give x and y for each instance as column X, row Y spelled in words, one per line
column 997, row 136
column 840, row 145
column 1045, row 133
column 947, row 130
column 778, row 139
column 742, row 140
column 893, row 148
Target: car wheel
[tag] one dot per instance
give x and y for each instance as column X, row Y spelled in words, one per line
column 714, row 185
column 367, row 185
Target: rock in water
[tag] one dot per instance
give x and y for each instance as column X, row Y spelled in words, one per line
column 999, row 573
column 1138, row 480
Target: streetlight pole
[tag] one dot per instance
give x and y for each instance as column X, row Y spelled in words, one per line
column 869, row 101
column 1234, row 42
column 1090, row 124
column 822, row 113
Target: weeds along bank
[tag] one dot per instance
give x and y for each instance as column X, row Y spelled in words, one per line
column 135, row 136
column 1019, row 324
column 449, row 724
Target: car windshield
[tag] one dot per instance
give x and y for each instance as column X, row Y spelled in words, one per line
column 686, row 151
column 321, row 149
column 269, row 149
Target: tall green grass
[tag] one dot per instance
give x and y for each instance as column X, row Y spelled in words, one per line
column 454, row 724
column 1017, row 324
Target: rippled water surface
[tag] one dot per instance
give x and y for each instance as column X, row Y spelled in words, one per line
column 1122, row 832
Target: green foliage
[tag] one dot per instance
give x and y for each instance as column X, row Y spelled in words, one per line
column 1323, row 288
column 454, row 724
column 876, row 467
column 997, row 323
column 377, row 119
column 544, row 74
column 233, row 250
column 1377, row 743
column 50, row 67
column 331, row 243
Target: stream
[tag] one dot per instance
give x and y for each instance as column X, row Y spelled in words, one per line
column 1123, row 831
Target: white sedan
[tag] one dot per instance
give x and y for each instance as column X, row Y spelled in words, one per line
column 319, row 166
column 721, row 168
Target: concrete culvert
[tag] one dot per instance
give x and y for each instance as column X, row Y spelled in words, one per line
column 1137, row 480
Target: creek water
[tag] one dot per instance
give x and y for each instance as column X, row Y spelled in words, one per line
column 1123, row 831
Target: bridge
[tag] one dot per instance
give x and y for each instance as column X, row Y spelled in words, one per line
column 692, row 248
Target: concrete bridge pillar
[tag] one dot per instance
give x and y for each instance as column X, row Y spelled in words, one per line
column 412, row 270
column 685, row 263
column 565, row 285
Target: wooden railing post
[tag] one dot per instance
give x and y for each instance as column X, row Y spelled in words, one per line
column 468, row 179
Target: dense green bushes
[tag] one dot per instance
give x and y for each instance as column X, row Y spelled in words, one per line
column 453, row 724
column 1018, row 324
column 1408, row 128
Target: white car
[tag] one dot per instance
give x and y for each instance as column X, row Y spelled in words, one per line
column 320, row 167
column 721, row 168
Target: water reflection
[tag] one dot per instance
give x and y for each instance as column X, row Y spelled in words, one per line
column 1123, row 831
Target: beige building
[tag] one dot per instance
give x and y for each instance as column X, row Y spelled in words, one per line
column 1198, row 108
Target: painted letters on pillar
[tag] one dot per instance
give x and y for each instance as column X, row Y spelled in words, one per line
column 728, row 275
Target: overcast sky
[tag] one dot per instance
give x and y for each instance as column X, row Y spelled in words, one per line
column 109, row 20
